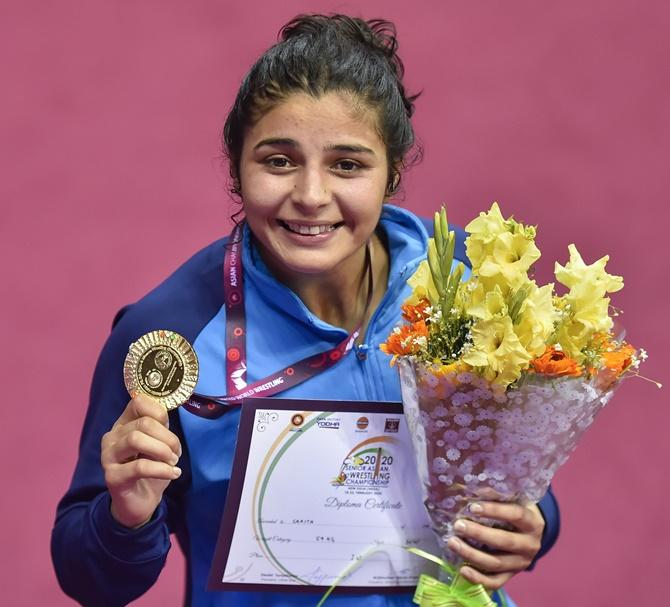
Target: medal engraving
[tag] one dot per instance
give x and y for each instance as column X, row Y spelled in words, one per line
column 163, row 365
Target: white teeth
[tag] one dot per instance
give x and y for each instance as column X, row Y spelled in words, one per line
column 309, row 230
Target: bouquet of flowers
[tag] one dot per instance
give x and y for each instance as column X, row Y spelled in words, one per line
column 500, row 376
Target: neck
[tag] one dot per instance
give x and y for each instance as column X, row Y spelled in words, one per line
column 340, row 297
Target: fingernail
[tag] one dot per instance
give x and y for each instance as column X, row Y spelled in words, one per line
column 177, row 471
column 459, row 525
column 476, row 508
column 454, row 544
column 173, row 460
column 467, row 571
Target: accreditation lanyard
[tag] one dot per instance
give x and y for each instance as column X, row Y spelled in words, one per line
column 213, row 407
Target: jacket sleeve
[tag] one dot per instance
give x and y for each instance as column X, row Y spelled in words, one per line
column 98, row 561
column 552, row 524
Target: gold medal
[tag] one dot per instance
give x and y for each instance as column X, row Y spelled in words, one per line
column 163, row 365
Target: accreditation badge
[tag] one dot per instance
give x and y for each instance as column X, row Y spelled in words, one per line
column 163, row 365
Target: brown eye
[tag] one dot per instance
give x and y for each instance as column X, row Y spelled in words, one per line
column 278, row 162
column 347, row 166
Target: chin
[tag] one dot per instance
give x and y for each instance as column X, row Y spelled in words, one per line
column 287, row 258
column 311, row 267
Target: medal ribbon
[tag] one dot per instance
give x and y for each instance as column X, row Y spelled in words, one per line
column 213, row 407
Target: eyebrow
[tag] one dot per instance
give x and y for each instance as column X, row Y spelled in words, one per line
column 350, row 147
column 277, row 141
column 341, row 147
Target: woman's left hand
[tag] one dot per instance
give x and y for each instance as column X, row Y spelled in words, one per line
column 508, row 551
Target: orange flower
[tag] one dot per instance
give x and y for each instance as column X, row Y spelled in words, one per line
column 414, row 313
column 602, row 340
column 406, row 340
column 556, row 363
column 617, row 361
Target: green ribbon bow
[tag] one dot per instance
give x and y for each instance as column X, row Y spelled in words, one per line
column 429, row 591
column 460, row 593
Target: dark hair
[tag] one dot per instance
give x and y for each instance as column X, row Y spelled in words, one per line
column 317, row 54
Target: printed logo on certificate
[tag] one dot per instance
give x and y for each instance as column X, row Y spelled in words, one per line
column 316, row 487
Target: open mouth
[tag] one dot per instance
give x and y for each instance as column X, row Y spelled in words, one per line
column 309, row 230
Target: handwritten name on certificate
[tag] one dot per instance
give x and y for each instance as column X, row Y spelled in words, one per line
column 322, row 491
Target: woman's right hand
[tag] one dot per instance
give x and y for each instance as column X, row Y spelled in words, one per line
column 139, row 457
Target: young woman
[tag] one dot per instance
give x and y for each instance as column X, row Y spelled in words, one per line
column 317, row 139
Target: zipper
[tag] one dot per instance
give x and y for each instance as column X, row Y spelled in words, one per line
column 362, row 350
column 398, row 284
column 364, row 362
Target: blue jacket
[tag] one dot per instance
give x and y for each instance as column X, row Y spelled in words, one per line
column 97, row 561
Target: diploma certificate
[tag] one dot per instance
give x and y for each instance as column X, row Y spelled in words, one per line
column 317, row 486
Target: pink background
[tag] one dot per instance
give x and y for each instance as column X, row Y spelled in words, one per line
column 112, row 176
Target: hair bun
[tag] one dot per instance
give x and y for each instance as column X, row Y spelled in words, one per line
column 377, row 34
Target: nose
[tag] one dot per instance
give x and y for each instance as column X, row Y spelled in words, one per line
column 310, row 189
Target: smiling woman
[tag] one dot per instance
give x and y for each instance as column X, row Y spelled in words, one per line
column 317, row 138
column 313, row 177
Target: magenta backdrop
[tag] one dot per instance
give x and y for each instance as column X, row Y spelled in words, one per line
column 112, row 176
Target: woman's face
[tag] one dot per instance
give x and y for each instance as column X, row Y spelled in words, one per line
column 313, row 176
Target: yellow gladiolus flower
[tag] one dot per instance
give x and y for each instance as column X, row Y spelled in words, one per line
column 422, row 285
column 486, row 304
column 578, row 276
column 573, row 337
column 512, row 256
column 585, row 306
column 488, row 225
column 483, row 232
column 537, row 316
column 497, row 351
column 501, row 249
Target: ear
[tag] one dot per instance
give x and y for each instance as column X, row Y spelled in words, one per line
column 236, row 188
column 393, row 183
